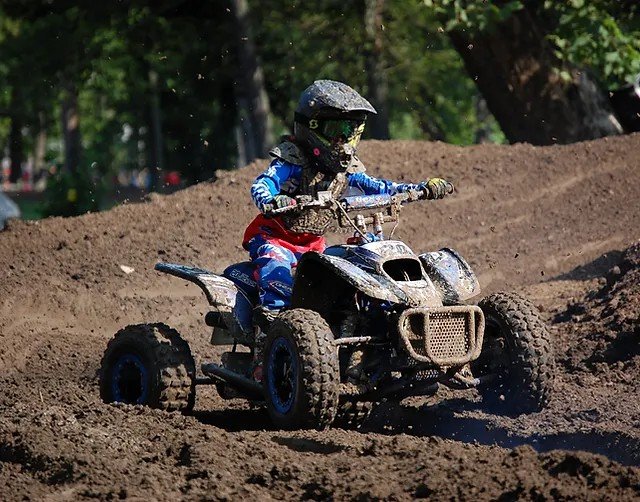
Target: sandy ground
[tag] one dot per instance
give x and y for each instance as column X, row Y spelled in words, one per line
column 558, row 224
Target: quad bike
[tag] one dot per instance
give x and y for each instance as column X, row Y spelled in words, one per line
column 369, row 321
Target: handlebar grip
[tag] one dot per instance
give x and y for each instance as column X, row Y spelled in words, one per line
column 426, row 193
column 270, row 210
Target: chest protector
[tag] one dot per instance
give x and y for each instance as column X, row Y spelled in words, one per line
column 312, row 181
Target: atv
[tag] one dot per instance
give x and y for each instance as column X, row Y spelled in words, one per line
column 369, row 321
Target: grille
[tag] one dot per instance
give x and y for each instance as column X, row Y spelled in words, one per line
column 448, row 335
column 444, row 336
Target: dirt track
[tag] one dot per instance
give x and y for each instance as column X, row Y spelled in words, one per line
column 551, row 222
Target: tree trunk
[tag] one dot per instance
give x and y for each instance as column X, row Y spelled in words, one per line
column 252, row 100
column 154, row 149
column 483, row 132
column 40, row 144
column 376, row 76
column 242, row 147
column 248, row 143
column 71, row 127
column 16, row 154
column 519, row 76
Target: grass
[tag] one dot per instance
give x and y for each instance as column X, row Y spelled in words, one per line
column 30, row 209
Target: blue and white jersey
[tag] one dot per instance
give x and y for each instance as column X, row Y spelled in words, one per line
column 282, row 177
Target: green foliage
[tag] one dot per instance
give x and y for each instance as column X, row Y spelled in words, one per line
column 430, row 96
column 427, row 78
column 603, row 35
column 109, row 50
column 69, row 194
column 600, row 36
column 30, row 209
column 472, row 14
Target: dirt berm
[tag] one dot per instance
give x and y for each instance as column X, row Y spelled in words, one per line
column 558, row 224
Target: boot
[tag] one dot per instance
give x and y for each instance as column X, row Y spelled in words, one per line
column 263, row 317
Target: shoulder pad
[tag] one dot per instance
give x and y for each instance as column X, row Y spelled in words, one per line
column 356, row 166
column 289, row 152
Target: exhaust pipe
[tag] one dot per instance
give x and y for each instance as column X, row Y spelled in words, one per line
column 400, row 389
column 249, row 388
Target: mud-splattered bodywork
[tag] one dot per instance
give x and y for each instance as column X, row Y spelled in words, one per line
column 229, row 301
column 414, row 298
column 451, row 275
column 379, row 292
column 389, row 271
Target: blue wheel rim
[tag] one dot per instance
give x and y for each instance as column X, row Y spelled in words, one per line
column 129, row 380
column 282, row 375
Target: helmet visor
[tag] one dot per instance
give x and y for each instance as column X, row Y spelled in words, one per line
column 344, row 131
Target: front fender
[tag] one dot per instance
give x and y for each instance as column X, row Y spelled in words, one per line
column 451, row 275
column 316, row 271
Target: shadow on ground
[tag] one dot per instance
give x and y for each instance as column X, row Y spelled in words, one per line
column 592, row 270
column 230, row 420
column 443, row 420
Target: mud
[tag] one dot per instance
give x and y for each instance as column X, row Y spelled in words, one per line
column 558, row 224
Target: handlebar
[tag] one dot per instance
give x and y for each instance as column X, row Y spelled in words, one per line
column 355, row 202
column 301, row 203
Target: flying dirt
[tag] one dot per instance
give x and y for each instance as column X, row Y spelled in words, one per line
column 560, row 225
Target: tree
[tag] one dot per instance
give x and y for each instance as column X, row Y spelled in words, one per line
column 376, row 72
column 24, row 98
column 252, row 99
column 535, row 96
column 71, row 126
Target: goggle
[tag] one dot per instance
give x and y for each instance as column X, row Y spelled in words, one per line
column 340, row 129
column 334, row 130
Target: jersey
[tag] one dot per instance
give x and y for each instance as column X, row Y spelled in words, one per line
column 283, row 178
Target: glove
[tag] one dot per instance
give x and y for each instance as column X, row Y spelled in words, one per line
column 280, row 201
column 436, row 188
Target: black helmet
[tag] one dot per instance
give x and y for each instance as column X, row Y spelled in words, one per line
column 328, row 123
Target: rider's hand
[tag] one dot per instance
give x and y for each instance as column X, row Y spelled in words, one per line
column 280, row 201
column 436, row 188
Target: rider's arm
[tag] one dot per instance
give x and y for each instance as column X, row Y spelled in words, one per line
column 270, row 183
column 371, row 186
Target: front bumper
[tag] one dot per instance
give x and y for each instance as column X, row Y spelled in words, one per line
column 444, row 337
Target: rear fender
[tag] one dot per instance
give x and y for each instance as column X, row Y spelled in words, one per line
column 222, row 294
column 451, row 275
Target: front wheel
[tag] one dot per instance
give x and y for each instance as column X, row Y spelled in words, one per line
column 148, row 364
column 301, row 371
column 517, row 356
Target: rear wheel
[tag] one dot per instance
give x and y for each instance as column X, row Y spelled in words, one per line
column 148, row 364
column 517, row 356
column 301, row 372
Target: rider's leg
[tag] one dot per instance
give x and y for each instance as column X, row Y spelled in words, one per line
column 273, row 274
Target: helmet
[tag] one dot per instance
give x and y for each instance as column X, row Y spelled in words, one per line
column 328, row 123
